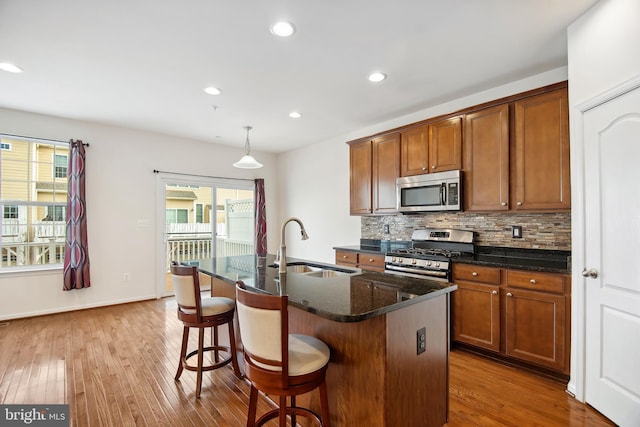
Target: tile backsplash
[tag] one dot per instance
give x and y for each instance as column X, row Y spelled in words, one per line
column 539, row 230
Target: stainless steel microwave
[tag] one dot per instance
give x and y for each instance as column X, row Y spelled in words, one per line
column 440, row 191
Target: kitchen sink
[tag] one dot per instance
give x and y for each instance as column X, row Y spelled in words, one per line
column 316, row 270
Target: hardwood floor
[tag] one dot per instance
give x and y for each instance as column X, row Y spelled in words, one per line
column 114, row 366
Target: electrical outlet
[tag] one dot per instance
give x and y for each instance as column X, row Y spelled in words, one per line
column 516, row 232
column 386, row 228
column 421, row 340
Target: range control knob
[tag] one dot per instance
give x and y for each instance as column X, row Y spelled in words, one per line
column 429, row 263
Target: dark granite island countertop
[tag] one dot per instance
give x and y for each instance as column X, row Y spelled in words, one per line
column 342, row 298
column 388, row 335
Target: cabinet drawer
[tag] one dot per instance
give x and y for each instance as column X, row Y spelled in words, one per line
column 346, row 257
column 371, row 262
column 547, row 282
column 476, row 273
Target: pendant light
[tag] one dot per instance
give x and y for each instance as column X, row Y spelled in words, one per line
column 247, row 161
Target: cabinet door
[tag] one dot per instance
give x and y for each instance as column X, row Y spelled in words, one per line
column 486, row 160
column 536, row 328
column 386, row 168
column 476, row 315
column 360, row 168
column 361, row 295
column 384, row 295
column 414, row 147
column 445, row 145
column 542, row 179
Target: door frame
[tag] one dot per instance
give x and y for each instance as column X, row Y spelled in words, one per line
column 576, row 385
column 164, row 178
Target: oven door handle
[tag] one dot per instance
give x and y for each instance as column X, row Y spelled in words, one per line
column 443, row 193
column 434, row 273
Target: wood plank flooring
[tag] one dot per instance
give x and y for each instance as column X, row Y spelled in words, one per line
column 114, row 366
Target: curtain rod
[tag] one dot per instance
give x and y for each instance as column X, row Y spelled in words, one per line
column 86, row 144
column 202, row 176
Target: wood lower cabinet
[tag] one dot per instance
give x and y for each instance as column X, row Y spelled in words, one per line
column 364, row 260
column 522, row 315
column 374, row 167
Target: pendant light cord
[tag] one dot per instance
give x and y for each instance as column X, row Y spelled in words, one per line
column 247, row 147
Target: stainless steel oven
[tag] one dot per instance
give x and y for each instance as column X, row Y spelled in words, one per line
column 430, row 253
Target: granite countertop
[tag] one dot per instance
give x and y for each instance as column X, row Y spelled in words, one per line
column 342, row 297
column 545, row 260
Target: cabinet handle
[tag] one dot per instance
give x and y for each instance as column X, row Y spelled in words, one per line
column 519, row 203
column 370, row 259
column 532, row 281
column 424, row 168
column 474, row 274
column 344, row 256
column 494, row 292
column 433, row 166
column 503, row 204
column 509, row 294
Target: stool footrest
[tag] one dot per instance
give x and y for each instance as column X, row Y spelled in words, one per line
column 222, row 362
column 290, row 410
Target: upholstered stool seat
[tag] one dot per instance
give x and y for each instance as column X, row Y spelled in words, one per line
column 202, row 313
column 278, row 363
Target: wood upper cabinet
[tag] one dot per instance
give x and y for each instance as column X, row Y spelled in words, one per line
column 542, row 177
column 414, row 145
column 445, row 145
column 486, row 159
column 374, row 167
column 432, row 148
column 386, row 168
column 361, row 173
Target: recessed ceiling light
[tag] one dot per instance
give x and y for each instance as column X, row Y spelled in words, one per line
column 283, row 29
column 10, row 67
column 295, row 115
column 212, row 90
column 377, row 77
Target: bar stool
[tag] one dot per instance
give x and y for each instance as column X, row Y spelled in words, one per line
column 279, row 363
column 202, row 313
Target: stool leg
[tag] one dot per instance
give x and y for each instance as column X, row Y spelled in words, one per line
column 253, row 406
column 283, row 411
column 216, row 353
column 200, row 360
column 293, row 411
column 183, row 351
column 324, row 405
column 234, row 354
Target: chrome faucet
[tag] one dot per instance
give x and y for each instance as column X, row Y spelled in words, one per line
column 281, row 256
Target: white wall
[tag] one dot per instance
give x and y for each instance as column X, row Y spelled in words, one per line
column 121, row 209
column 314, row 180
column 603, row 47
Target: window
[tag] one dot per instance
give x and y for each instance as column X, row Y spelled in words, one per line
column 33, row 196
column 177, row 216
column 61, row 164
column 199, row 213
column 10, row 212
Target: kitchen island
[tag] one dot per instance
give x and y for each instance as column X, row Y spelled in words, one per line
column 388, row 335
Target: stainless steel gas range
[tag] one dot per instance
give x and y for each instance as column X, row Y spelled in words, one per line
column 430, row 253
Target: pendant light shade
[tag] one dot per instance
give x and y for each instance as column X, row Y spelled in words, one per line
column 247, row 161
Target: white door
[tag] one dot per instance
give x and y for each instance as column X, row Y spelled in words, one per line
column 612, row 255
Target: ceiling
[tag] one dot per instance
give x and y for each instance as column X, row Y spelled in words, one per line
column 143, row 64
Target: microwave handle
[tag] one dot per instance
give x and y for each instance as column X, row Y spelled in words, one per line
column 443, row 194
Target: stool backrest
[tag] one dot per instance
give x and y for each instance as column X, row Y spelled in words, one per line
column 264, row 328
column 186, row 285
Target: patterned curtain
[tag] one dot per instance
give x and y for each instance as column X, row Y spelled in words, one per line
column 76, row 251
column 261, row 218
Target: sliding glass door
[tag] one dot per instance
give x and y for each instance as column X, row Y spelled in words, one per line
column 202, row 218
